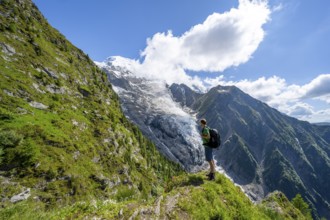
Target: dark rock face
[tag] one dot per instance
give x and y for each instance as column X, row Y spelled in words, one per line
column 184, row 95
column 264, row 150
column 149, row 105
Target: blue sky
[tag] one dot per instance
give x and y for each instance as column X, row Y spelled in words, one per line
column 284, row 62
column 107, row 27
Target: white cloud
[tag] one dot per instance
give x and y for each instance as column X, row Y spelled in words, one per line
column 212, row 82
column 221, row 41
column 325, row 98
column 317, row 116
column 262, row 88
column 278, row 7
column 289, row 99
column 224, row 40
column 300, row 109
column 318, row 87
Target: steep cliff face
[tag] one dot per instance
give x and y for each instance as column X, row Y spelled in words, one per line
column 184, row 95
column 265, row 150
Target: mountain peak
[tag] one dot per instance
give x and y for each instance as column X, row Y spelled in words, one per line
column 262, row 146
column 184, row 94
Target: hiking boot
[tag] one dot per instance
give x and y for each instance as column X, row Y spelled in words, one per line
column 211, row 176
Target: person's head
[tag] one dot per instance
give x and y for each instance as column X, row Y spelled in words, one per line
column 203, row 122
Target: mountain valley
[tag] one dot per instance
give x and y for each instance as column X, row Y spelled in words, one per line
column 263, row 150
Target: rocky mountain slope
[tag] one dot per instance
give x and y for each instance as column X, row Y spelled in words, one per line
column 68, row 152
column 149, row 105
column 264, row 150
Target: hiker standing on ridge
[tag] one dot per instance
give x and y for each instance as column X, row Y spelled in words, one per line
column 208, row 150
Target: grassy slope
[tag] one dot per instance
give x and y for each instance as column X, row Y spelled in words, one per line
column 79, row 155
column 81, row 145
column 185, row 197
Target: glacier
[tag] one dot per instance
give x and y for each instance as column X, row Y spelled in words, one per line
column 148, row 103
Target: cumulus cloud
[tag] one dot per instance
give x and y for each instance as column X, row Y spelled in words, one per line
column 226, row 40
column 221, row 41
column 300, row 109
column 289, row 99
column 325, row 98
column 262, row 88
column 317, row 116
column 274, row 87
column 318, row 87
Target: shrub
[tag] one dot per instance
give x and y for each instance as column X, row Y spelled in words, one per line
column 5, row 115
column 15, row 151
column 51, row 174
column 37, row 49
column 27, row 153
column 300, row 204
column 9, row 139
column 12, row 28
column 70, row 59
column 124, row 194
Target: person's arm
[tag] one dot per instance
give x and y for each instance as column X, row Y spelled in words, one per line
column 206, row 133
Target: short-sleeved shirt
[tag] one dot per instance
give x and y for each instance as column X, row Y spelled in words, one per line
column 206, row 131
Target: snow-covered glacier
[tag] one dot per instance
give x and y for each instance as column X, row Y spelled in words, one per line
column 148, row 103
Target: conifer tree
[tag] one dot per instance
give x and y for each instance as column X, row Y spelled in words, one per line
column 300, row 204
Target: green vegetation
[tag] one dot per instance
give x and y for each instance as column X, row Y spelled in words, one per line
column 277, row 203
column 185, row 197
column 62, row 132
column 64, row 137
column 302, row 206
column 280, row 174
column 201, row 199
